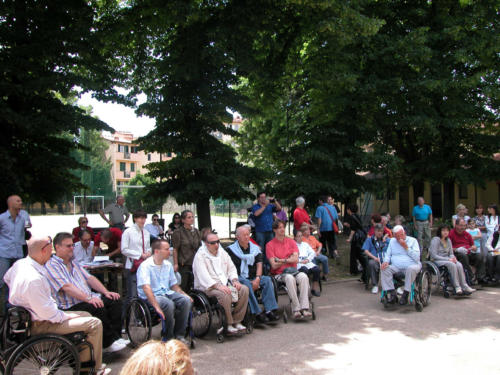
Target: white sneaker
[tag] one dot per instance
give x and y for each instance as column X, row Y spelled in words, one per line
column 123, row 341
column 375, row 289
column 400, row 290
column 240, row 327
column 458, row 290
column 468, row 289
column 104, row 371
column 231, row 330
column 115, row 347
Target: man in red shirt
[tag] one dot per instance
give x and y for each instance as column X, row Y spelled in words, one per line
column 113, row 238
column 283, row 255
column 465, row 251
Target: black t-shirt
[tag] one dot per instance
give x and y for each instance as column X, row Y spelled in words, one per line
column 252, row 270
column 355, row 224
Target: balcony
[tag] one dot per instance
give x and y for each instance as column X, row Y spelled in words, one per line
column 126, row 174
column 126, row 155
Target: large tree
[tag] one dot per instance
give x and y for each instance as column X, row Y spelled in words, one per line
column 49, row 49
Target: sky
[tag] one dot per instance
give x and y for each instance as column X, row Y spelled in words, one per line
column 118, row 116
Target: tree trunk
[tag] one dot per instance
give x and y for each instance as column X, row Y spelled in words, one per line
column 418, row 191
column 203, row 213
column 448, row 199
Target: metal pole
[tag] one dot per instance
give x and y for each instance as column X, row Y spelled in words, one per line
column 229, row 205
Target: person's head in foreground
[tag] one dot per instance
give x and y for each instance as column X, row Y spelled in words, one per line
column 159, row 358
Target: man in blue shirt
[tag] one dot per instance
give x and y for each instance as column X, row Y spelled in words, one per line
column 326, row 215
column 422, row 218
column 263, row 217
column 12, row 238
column 375, row 248
column 403, row 255
column 157, row 284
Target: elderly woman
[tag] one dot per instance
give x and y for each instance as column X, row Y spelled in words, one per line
column 82, row 225
column 441, row 251
column 306, row 264
column 300, row 215
column 316, row 246
column 461, row 213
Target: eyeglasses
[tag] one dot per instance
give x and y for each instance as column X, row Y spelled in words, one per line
column 49, row 242
column 213, row 242
column 155, row 219
column 83, row 222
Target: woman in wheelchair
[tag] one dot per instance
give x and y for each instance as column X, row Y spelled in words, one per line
column 441, row 253
column 306, row 264
column 157, row 284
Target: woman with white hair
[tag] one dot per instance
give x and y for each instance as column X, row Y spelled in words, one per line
column 300, row 215
column 461, row 213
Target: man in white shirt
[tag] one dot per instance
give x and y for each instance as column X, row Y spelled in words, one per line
column 213, row 270
column 156, row 283
column 154, row 228
column 84, row 251
column 29, row 288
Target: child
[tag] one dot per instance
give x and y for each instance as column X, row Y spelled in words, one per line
column 475, row 233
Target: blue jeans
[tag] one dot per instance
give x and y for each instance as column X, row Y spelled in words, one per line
column 176, row 308
column 323, row 260
column 5, row 264
column 268, row 297
column 262, row 239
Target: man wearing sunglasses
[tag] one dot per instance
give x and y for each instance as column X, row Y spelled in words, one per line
column 215, row 274
column 30, row 288
column 154, row 228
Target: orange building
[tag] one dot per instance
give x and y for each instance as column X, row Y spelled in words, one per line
column 126, row 158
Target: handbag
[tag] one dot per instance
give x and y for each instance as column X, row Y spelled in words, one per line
column 334, row 224
column 290, row 270
column 137, row 262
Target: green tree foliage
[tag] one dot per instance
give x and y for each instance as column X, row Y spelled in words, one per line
column 184, row 65
column 138, row 198
column 47, row 50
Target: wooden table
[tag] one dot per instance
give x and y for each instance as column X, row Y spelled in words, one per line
column 105, row 270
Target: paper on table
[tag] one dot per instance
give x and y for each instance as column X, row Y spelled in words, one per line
column 101, row 258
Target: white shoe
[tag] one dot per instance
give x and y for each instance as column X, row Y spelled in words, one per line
column 458, row 290
column 400, row 290
column 123, row 341
column 184, row 340
column 240, row 327
column 375, row 289
column 468, row 289
column 104, row 371
column 231, row 330
column 115, row 347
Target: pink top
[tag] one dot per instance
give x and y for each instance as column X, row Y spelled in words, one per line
column 281, row 249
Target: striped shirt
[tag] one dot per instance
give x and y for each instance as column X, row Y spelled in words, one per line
column 59, row 275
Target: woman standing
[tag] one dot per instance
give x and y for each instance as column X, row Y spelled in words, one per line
column 300, row 215
column 491, row 221
column 356, row 239
column 461, row 213
column 480, row 221
column 175, row 224
column 441, row 252
column 185, row 241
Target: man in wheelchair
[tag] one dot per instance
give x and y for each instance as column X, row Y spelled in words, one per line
column 157, row 284
column 248, row 260
column 76, row 290
column 30, row 289
column 403, row 255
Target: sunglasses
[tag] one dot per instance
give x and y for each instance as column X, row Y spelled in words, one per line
column 84, row 221
column 49, row 242
column 155, row 219
column 213, row 242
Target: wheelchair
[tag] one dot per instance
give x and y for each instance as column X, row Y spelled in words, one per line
column 443, row 280
column 21, row 353
column 249, row 320
column 281, row 289
column 420, row 293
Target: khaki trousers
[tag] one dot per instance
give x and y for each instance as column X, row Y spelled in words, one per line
column 85, row 323
column 300, row 301
column 237, row 315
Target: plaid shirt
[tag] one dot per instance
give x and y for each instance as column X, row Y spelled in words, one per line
column 59, row 275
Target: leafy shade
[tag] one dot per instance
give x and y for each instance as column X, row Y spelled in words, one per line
column 48, row 48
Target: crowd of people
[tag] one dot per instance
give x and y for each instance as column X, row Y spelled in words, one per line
column 161, row 266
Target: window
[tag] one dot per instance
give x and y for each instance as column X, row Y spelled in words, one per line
column 125, row 149
column 462, row 191
column 132, row 167
column 122, row 166
column 133, row 149
column 169, row 154
column 149, row 157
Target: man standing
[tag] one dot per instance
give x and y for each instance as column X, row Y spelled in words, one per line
column 403, row 255
column 422, row 217
column 73, row 288
column 283, row 254
column 263, row 213
column 11, row 241
column 156, row 283
column 247, row 259
column 29, row 288
column 326, row 215
column 118, row 213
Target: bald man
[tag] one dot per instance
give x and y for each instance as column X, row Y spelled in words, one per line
column 29, row 288
column 11, row 241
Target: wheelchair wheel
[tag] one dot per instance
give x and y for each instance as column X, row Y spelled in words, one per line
column 44, row 354
column 424, row 288
column 138, row 322
column 202, row 314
